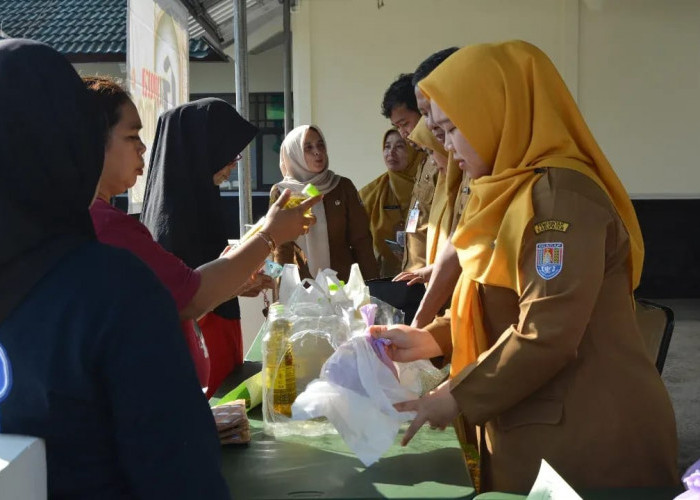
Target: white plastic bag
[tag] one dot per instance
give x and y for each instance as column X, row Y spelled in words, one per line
column 355, row 289
column 289, row 281
column 328, row 280
column 356, row 391
column 309, row 299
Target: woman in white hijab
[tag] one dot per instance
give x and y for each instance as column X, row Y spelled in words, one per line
column 333, row 242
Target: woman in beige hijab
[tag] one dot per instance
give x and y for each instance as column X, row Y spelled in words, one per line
column 333, row 242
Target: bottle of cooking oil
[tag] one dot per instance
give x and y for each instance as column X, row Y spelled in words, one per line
column 279, row 387
column 295, row 199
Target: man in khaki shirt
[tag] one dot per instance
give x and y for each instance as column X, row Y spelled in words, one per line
column 399, row 106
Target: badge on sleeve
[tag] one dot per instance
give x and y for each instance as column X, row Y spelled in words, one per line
column 551, row 225
column 549, row 259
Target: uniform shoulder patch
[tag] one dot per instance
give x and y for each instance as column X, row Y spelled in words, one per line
column 549, row 259
column 551, row 225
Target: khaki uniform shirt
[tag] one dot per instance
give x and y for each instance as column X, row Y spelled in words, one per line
column 567, row 377
column 422, row 200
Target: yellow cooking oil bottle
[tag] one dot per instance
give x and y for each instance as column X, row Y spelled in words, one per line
column 295, row 199
column 279, row 378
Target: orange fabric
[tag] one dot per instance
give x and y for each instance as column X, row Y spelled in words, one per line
column 381, row 192
column 512, row 105
column 446, row 192
column 224, row 342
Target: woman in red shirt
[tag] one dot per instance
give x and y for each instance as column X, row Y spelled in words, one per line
column 195, row 289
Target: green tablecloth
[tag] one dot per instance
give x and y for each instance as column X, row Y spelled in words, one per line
column 431, row 466
column 607, row 494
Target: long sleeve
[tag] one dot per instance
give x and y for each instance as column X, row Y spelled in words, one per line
column 554, row 311
column 440, row 329
column 358, row 234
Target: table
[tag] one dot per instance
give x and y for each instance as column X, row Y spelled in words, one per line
column 606, row 494
column 431, row 466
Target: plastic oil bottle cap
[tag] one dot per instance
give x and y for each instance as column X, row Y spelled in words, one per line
column 310, row 190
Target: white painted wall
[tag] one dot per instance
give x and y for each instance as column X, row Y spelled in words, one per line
column 264, row 73
column 640, row 90
column 633, row 64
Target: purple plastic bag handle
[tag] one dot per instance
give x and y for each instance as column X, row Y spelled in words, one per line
column 379, row 345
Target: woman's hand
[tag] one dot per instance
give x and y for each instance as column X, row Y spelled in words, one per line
column 257, row 283
column 438, row 408
column 407, row 344
column 285, row 225
column 226, row 250
column 421, row 275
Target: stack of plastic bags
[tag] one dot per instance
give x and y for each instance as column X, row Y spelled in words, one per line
column 356, row 390
column 342, row 373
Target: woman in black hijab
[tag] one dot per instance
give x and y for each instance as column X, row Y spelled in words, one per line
column 82, row 324
column 183, row 209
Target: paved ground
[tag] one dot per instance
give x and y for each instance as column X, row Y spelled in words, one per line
column 682, row 376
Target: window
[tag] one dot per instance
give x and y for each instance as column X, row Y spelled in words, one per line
column 266, row 111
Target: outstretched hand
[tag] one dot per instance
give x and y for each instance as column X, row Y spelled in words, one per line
column 438, row 408
column 407, row 343
column 421, row 275
column 255, row 284
column 285, row 225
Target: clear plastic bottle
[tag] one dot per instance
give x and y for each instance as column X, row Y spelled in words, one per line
column 295, row 199
column 279, row 378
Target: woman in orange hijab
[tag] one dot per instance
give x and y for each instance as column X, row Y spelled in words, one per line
column 447, row 187
column 547, row 359
column 386, row 199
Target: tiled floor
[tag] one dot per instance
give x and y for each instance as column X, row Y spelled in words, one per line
column 682, row 376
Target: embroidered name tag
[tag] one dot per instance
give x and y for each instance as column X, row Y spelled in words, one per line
column 551, row 225
column 549, row 259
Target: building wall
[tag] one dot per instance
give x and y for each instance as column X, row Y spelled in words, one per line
column 264, row 73
column 640, row 81
column 632, row 65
